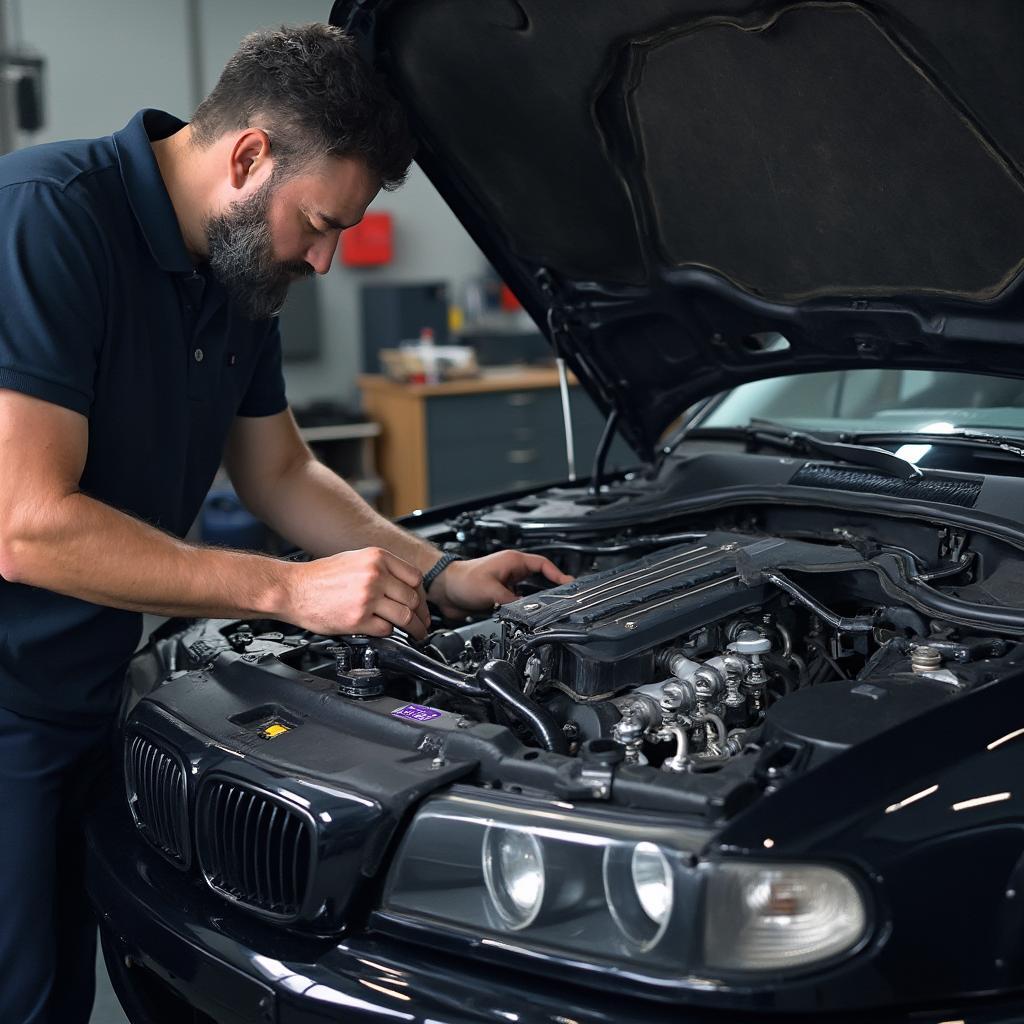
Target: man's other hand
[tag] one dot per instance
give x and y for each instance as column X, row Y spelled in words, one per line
column 369, row 591
column 479, row 584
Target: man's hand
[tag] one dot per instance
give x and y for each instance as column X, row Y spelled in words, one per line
column 368, row 591
column 481, row 583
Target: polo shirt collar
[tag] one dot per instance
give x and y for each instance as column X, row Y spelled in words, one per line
column 147, row 194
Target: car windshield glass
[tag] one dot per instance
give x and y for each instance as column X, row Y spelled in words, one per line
column 896, row 401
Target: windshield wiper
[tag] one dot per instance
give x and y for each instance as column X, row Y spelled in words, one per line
column 967, row 440
column 780, row 436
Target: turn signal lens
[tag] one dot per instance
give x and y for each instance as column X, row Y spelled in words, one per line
column 762, row 917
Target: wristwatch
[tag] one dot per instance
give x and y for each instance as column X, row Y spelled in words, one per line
column 439, row 567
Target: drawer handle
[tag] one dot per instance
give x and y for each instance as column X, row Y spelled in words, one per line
column 519, row 456
column 521, row 398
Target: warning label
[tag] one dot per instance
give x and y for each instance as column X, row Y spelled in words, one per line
column 416, row 713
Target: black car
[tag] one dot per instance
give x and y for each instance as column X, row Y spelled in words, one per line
column 764, row 757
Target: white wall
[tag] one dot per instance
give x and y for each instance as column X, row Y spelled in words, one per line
column 108, row 58
column 105, row 59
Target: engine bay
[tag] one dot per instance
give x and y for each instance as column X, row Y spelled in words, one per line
column 723, row 651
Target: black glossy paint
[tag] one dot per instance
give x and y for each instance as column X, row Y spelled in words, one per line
column 930, row 873
column 649, row 334
column 242, row 971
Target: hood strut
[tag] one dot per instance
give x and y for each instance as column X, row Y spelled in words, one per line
column 555, row 331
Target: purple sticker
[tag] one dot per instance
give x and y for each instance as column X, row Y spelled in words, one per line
column 417, row 713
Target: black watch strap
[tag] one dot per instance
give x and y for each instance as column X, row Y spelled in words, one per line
column 437, row 568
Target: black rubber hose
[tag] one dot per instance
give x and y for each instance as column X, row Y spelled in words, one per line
column 554, row 636
column 842, row 623
column 601, row 456
column 393, row 654
column 615, row 549
column 499, row 678
column 495, row 679
column 525, row 647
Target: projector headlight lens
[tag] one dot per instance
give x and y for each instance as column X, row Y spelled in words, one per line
column 639, row 889
column 653, row 881
column 514, row 874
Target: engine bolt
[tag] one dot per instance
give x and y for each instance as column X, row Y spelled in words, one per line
column 925, row 659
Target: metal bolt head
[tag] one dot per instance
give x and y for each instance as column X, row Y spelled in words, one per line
column 531, row 607
column 749, row 642
column 925, row 659
column 438, row 762
column 630, row 625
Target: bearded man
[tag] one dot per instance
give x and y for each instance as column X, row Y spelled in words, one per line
column 139, row 278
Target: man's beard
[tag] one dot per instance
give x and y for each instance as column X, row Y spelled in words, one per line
column 241, row 257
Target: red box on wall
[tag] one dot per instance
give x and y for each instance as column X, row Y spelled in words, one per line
column 369, row 243
column 508, row 301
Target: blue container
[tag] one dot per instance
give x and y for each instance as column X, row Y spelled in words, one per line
column 226, row 522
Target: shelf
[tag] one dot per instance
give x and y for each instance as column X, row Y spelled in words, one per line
column 340, row 431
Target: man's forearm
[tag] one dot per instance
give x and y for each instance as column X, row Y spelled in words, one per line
column 319, row 512
column 84, row 548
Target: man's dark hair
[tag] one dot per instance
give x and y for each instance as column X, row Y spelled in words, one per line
column 312, row 93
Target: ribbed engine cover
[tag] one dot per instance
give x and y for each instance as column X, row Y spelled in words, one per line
column 623, row 614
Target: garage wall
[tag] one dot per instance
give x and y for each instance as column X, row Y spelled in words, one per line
column 105, row 60
column 108, row 58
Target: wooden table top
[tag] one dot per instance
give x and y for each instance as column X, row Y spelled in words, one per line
column 492, row 378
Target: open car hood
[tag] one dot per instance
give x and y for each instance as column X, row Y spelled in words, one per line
column 691, row 194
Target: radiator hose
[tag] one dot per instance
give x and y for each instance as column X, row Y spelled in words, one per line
column 496, row 679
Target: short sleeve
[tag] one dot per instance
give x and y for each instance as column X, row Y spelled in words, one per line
column 266, row 394
column 52, row 295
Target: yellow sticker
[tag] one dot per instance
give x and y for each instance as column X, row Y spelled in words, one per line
column 274, row 730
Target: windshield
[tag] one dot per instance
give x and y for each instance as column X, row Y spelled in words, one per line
column 897, row 401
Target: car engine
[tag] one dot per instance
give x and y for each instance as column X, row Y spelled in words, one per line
column 730, row 646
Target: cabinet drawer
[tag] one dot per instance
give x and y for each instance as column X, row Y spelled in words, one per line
column 483, row 444
column 520, row 416
column 477, row 467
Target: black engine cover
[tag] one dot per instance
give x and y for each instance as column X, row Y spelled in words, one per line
column 622, row 615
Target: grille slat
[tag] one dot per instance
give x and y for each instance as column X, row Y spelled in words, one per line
column 163, row 815
column 254, row 847
column 155, row 784
column 234, row 802
column 269, row 866
column 262, row 895
column 249, row 847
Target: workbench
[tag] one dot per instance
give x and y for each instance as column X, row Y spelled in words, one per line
column 459, row 439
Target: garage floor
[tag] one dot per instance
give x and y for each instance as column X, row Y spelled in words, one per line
column 107, row 1010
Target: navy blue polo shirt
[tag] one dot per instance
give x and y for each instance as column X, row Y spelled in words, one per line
column 103, row 312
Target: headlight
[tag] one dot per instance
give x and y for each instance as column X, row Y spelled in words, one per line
column 514, row 873
column 770, row 916
column 597, row 887
column 638, row 886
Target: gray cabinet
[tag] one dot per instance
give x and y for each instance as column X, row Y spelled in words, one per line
column 451, row 442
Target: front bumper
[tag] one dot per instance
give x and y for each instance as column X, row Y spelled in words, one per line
column 171, row 943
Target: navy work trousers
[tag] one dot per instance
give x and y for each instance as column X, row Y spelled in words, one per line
column 49, row 773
